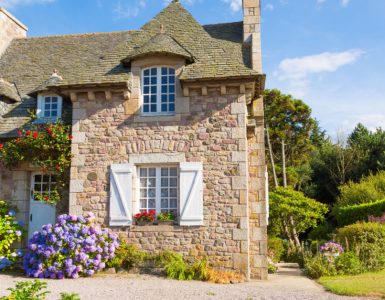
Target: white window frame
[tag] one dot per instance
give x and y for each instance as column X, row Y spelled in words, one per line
column 158, row 187
column 49, row 182
column 41, row 109
column 159, row 92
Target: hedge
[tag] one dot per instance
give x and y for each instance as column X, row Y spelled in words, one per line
column 367, row 240
column 351, row 214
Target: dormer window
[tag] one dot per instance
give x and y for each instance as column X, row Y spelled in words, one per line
column 158, row 91
column 49, row 108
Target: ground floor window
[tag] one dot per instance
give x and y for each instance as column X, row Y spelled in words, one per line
column 158, row 189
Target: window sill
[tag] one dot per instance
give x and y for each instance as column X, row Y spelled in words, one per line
column 156, row 228
column 157, row 118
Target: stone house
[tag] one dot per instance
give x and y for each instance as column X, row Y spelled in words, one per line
column 168, row 117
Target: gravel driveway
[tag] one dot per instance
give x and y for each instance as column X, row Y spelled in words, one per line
column 288, row 284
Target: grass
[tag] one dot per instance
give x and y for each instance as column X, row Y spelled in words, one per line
column 367, row 284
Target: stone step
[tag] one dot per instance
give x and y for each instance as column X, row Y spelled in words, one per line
column 287, row 265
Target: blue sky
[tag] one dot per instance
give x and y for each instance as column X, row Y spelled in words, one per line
column 330, row 53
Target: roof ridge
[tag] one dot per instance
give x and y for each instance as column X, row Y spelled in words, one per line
column 76, row 34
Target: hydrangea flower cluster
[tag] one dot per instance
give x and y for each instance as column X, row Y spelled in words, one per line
column 11, row 231
column 331, row 247
column 73, row 247
column 374, row 219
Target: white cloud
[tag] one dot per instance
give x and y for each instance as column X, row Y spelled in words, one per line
column 235, row 5
column 297, row 72
column 126, row 11
column 345, row 2
column 13, row 3
column 269, row 7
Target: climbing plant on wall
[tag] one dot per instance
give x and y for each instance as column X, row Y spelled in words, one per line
column 47, row 146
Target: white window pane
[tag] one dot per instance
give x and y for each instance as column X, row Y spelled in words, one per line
column 152, row 172
column 164, row 172
column 164, row 182
column 173, row 172
column 173, row 203
column 173, row 192
column 164, row 193
column 143, row 182
column 164, row 203
column 173, row 182
column 143, row 203
column 152, row 182
column 151, row 193
column 151, row 204
column 143, row 172
column 143, row 193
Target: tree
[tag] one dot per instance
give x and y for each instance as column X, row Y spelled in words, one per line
column 289, row 121
column 292, row 213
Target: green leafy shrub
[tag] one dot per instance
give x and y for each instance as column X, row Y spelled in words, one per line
column 318, row 266
column 276, row 248
column 368, row 241
column 348, row 263
column 10, row 232
column 369, row 189
column 271, row 268
column 321, row 232
column 351, row 214
column 68, row 296
column 127, row 256
column 176, row 268
column 28, row 290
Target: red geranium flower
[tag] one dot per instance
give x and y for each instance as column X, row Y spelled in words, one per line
column 28, row 133
column 35, row 134
column 70, row 137
column 19, row 132
column 1, row 146
column 17, row 140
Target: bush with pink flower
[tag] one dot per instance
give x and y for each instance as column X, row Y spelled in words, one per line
column 72, row 247
column 331, row 248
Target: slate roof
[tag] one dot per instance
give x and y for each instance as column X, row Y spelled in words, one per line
column 9, row 91
column 159, row 44
column 213, row 52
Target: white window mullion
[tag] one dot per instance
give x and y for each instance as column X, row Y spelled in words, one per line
column 158, row 191
column 159, row 91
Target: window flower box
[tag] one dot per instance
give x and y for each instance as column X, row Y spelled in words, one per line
column 145, row 218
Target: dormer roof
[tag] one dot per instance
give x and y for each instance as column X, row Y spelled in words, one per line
column 9, row 90
column 160, row 44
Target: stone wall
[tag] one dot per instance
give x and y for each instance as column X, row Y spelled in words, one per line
column 14, row 187
column 10, row 28
column 213, row 131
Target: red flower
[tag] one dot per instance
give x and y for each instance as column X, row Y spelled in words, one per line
column 70, row 137
column 17, row 140
column 1, row 146
column 19, row 133
column 46, row 198
column 28, row 133
column 35, row 134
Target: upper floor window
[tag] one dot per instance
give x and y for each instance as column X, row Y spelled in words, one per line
column 49, row 108
column 158, row 90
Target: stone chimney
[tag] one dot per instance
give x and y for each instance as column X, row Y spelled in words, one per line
column 10, row 28
column 252, row 31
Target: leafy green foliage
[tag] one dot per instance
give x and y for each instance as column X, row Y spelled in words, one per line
column 10, row 232
column 322, row 232
column 47, row 146
column 290, row 120
column 348, row 263
column 318, row 266
column 68, row 296
column 127, row 256
column 369, row 189
column 28, row 290
column 351, row 214
column 367, row 240
column 276, row 248
column 285, row 203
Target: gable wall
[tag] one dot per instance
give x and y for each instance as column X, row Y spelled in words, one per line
column 10, row 28
column 213, row 131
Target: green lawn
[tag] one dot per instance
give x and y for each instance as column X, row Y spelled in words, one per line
column 368, row 284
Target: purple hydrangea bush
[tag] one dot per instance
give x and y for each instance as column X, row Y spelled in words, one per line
column 331, row 247
column 73, row 247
